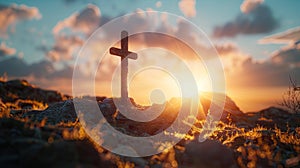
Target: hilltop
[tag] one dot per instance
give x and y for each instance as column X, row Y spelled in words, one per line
column 40, row 128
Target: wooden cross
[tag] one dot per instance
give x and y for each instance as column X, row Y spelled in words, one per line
column 125, row 55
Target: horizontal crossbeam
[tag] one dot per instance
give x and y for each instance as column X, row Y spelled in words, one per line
column 122, row 53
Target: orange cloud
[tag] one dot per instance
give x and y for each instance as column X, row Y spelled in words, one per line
column 5, row 50
column 249, row 5
column 289, row 36
column 10, row 15
column 226, row 48
column 158, row 4
column 64, row 48
column 188, row 8
column 85, row 21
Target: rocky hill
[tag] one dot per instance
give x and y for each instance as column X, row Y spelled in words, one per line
column 40, row 128
column 18, row 90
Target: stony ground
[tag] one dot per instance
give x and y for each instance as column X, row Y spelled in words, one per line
column 40, row 128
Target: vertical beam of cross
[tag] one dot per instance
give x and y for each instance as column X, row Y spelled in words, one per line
column 125, row 55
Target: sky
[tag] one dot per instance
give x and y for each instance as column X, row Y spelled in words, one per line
column 257, row 42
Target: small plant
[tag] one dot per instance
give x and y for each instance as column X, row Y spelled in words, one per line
column 291, row 98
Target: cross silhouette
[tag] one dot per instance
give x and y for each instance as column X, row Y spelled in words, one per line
column 125, row 55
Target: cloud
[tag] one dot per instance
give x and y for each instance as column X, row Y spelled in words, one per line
column 14, row 67
column 44, row 48
column 4, row 50
column 80, row 23
column 42, row 74
column 266, row 73
column 226, row 48
column 10, row 15
column 289, row 55
column 246, row 72
column 289, row 36
column 17, row 67
column 64, row 48
column 271, row 72
column 275, row 70
column 259, row 20
column 249, row 5
column 158, row 4
column 85, row 21
column 188, row 7
column 69, row 1
column 41, row 69
column 66, row 45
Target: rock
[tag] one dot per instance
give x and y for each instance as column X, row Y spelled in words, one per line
column 2, row 106
column 229, row 105
column 60, row 112
column 9, row 160
column 97, row 98
column 207, row 154
column 55, row 113
column 21, row 147
column 274, row 116
column 107, row 107
column 274, row 113
column 18, row 84
column 14, row 90
column 65, row 154
column 138, row 162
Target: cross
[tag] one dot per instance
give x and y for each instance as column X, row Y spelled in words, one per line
column 125, row 55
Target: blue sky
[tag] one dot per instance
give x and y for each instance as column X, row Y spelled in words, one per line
column 209, row 14
column 29, row 38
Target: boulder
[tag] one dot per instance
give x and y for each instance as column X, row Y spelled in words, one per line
column 55, row 113
column 207, row 154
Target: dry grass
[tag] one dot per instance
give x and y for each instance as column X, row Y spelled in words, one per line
column 259, row 144
column 253, row 147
